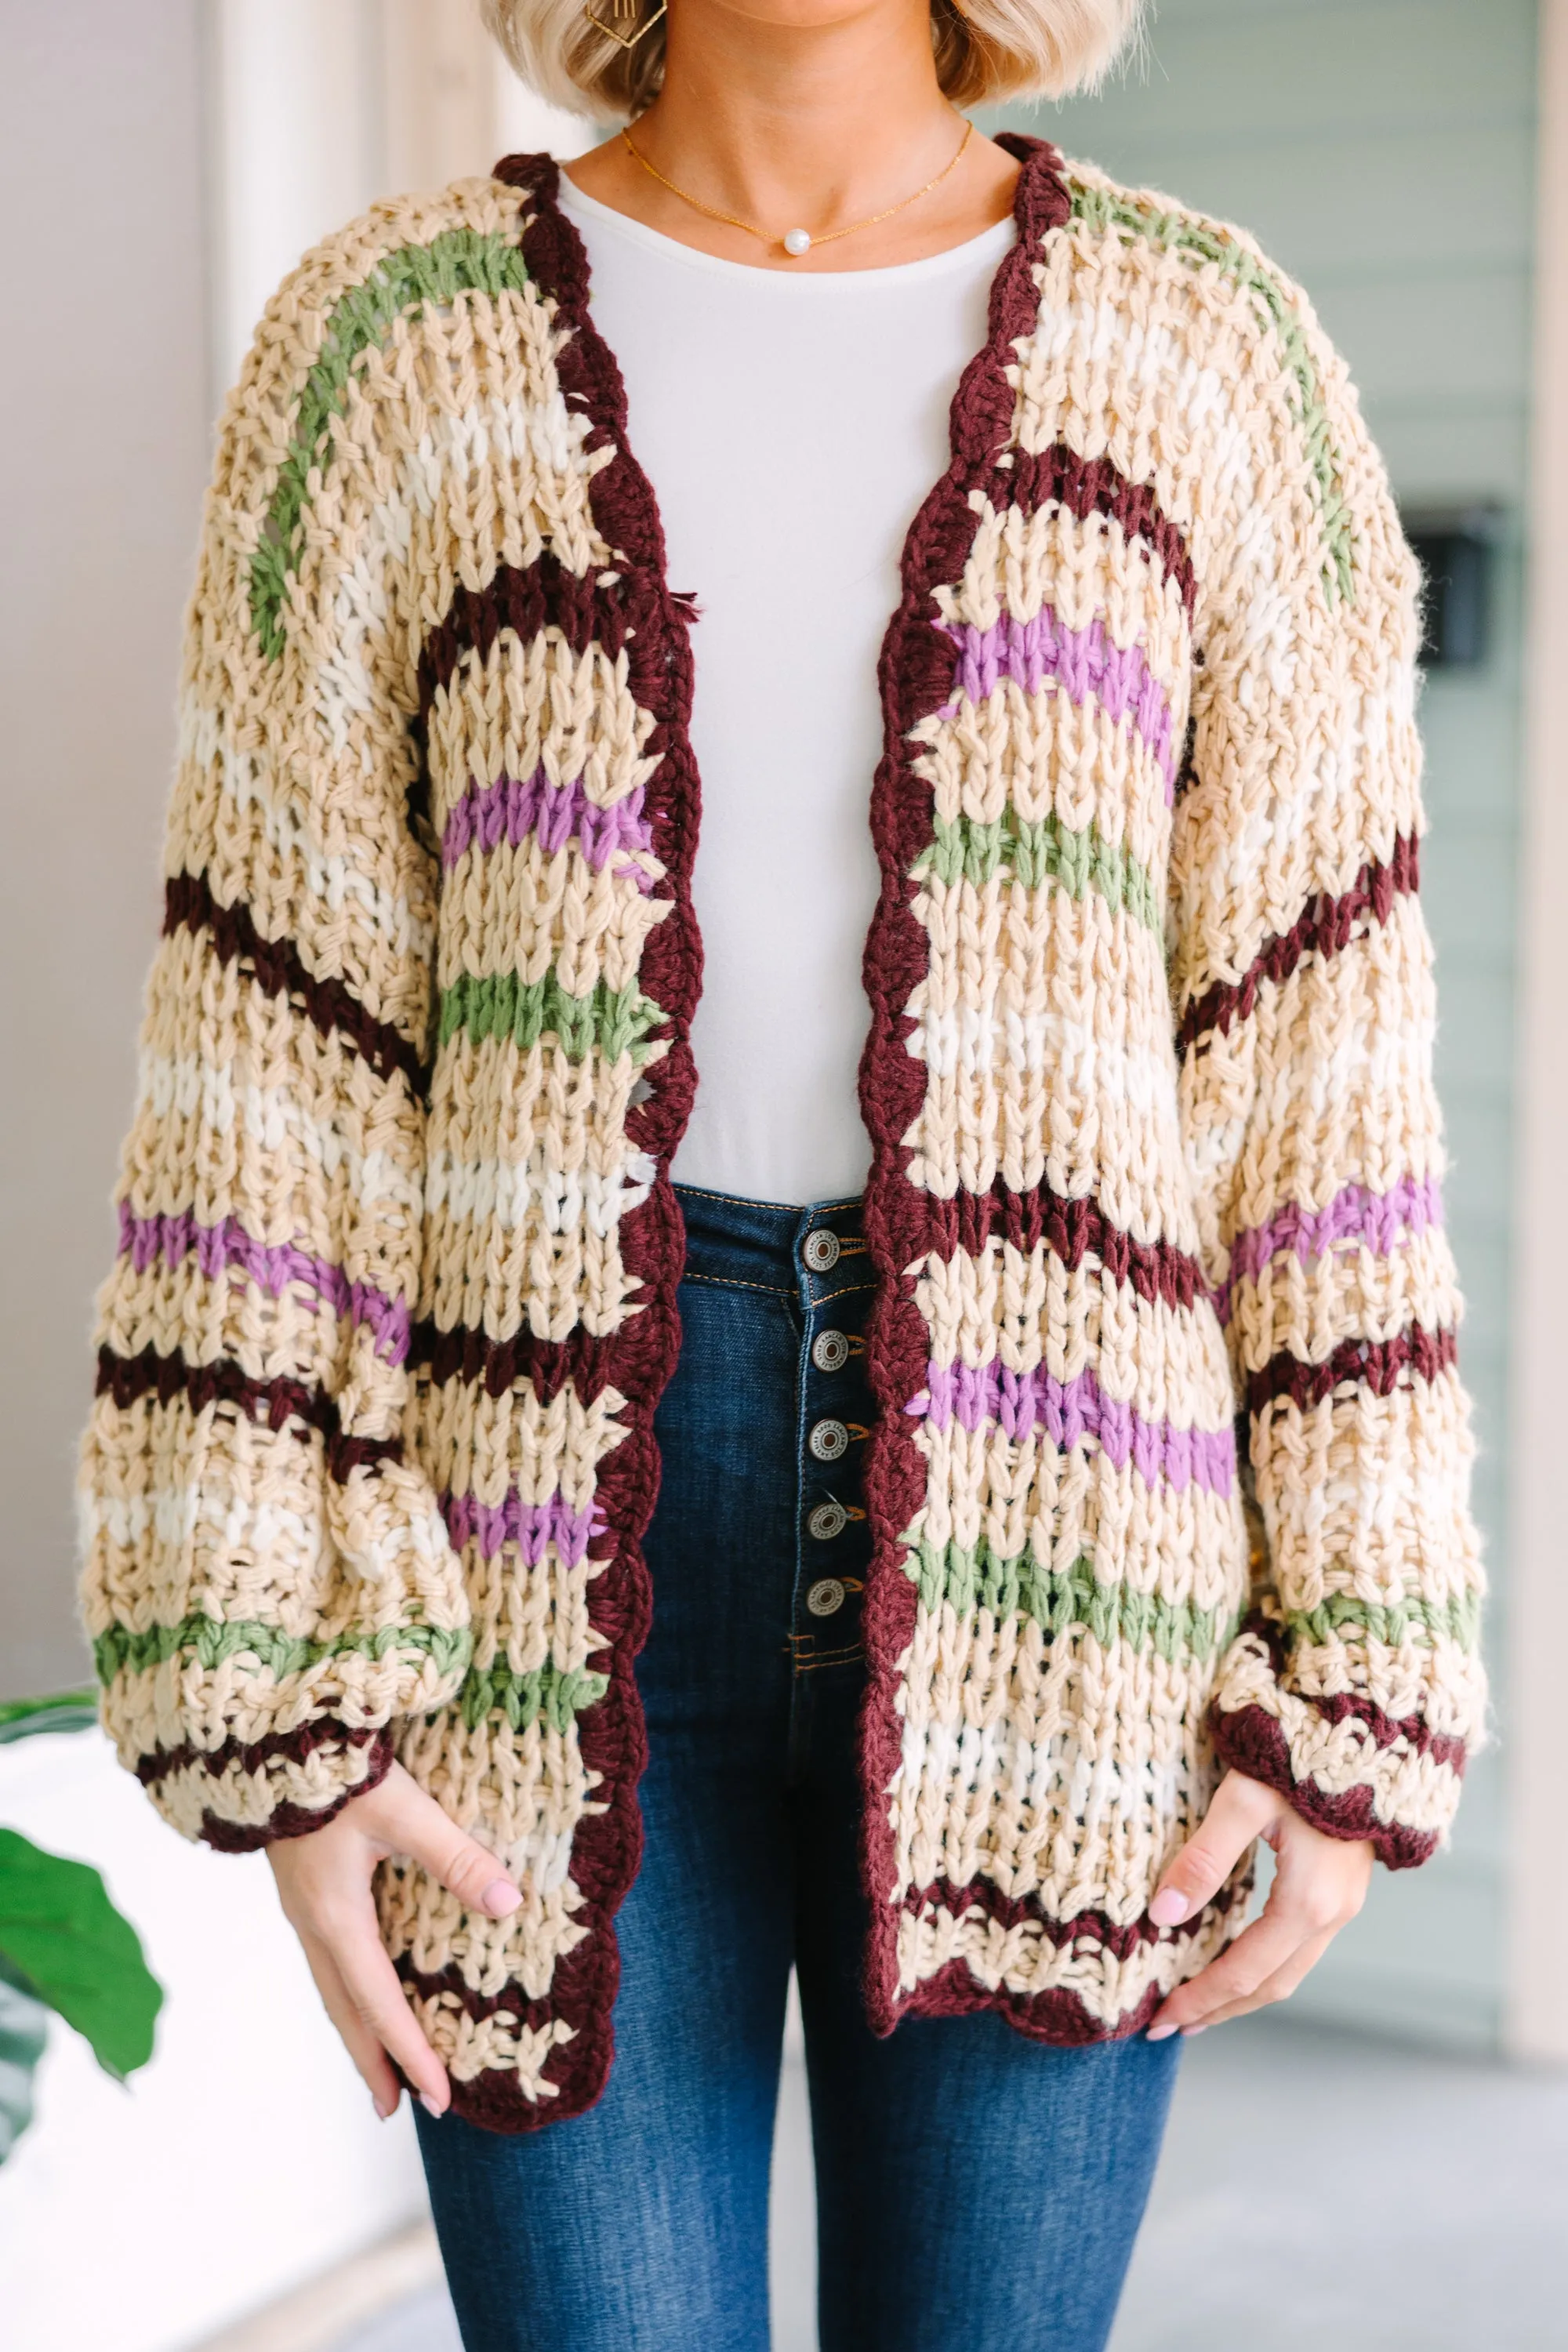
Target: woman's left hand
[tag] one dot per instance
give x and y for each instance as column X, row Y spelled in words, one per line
column 1319, row 1884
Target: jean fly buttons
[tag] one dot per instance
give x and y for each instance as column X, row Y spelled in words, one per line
column 827, row 1440
column 825, row 1597
column 830, row 1351
column 821, row 1252
column 829, row 1519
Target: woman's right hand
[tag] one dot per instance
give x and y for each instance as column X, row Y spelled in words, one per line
column 324, row 1884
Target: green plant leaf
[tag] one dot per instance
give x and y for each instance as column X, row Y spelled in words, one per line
column 59, row 1929
column 63, row 1711
column 24, row 2029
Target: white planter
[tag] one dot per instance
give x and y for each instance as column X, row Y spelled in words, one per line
column 243, row 2160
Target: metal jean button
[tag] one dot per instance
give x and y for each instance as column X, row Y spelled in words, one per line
column 830, row 1351
column 829, row 1519
column 825, row 1597
column 821, row 1251
column 827, row 1440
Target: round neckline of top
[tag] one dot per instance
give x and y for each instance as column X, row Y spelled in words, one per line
column 997, row 238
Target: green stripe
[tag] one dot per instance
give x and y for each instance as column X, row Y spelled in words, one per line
column 1037, row 849
column 1393, row 1622
column 615, row 1020
column 211, row 1641
column 1198, row 242
column 548, row 1691
column 459, row 261
column 1061, row 1600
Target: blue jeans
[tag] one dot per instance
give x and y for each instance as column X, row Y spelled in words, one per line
column 975, row 2189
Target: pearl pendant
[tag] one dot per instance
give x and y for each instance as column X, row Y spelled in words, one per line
column 797, row 241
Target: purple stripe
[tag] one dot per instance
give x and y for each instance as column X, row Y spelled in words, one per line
column 1083, row 662
column 1070, row 1411
column 508, row 811
column 273, row 1269
column 530, row 1526
column 1411, row 1207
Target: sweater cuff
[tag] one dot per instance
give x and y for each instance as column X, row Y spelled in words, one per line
column 1347, row 1767
column 237, row 1799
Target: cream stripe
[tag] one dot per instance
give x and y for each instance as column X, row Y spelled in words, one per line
column 521, row 706
column 1022, row 1960
column 344, row 884
column 531, row 912
column 1026, row 1309
column 191, row 1088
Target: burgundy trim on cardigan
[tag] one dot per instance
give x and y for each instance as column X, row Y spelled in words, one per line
column 272, row 1404
column 1253, row 1741
column 1325, row 926
column 636, row 615
column 279, row 969
column 915, row 675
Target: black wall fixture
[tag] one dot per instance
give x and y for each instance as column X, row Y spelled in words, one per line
column 1457, row 550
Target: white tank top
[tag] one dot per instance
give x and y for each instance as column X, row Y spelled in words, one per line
column 791, row 427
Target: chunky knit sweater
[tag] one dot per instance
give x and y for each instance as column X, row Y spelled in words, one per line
column 1170, row 1464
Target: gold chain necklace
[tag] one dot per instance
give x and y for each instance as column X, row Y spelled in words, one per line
column 796, row 241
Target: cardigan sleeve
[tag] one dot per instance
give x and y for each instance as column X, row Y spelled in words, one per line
column 1302, row 983
column 267, row 1580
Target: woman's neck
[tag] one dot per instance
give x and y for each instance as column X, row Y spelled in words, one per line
column 803, row 121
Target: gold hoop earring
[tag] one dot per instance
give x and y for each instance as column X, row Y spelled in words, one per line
column 628, row 9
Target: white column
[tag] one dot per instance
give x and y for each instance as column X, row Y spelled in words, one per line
column 297, row 130
column 317, row 107
column 1536, row 1714
column 454, row 105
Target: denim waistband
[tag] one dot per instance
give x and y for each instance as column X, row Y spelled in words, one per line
column 767, row 1245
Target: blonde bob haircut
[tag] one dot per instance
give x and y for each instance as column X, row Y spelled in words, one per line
column 986, row 51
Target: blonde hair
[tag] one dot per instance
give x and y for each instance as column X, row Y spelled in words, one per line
column 986, row 51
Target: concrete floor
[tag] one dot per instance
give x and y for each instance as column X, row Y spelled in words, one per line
column 1316, row 2190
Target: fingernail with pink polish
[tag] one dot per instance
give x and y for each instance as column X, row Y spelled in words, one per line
column 1159, row 2033
column 1188, row 2030
column 500, row 1898
column 383, row 2109
column 1169, row 1908
column 429, row 2104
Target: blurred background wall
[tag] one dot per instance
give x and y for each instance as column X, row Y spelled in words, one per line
column 1407, row 160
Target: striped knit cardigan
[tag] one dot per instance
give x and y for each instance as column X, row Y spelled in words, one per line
column 1171, row 1465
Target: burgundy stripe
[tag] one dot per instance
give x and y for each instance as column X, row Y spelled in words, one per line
column 1377, row 1364
column 286, row 1820
column 1411, row 1731
column 1073, row 1227
column 1325, row 927
column 1032, row 478
column 332, row 1007
column 586, row 609
column 273, row 1404
column 1122, row 1938
column 583, row 1361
